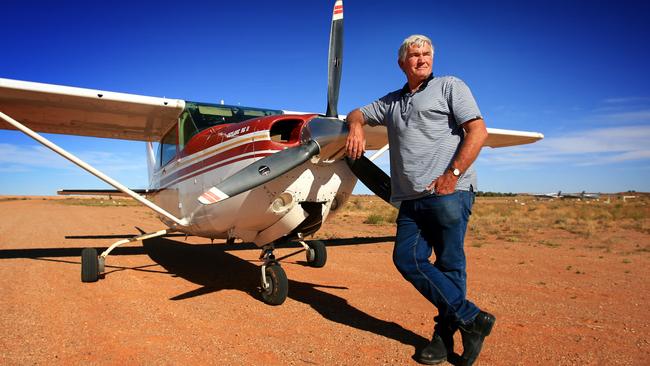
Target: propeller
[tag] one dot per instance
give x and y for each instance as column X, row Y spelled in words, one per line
column 324, row 136
column 372, row 176
column 335, row 60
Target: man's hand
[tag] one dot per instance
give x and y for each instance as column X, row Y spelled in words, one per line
column 475, row 135
column 355, row 144
column 444, row 184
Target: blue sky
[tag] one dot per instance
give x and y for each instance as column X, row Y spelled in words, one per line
column 576, row 71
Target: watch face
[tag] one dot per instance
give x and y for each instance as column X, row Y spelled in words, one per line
column 456, row 172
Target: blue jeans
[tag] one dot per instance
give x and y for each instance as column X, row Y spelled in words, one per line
column 436, row 224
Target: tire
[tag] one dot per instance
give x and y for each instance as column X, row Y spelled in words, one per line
column 278, row 285
column 317, row 254
column 89, row 265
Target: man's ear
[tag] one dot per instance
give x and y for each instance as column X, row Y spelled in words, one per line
column 400, row 64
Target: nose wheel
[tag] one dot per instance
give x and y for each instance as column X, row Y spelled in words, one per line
column 275, row 285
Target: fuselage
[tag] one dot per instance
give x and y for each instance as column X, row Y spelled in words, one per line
column 212, row 142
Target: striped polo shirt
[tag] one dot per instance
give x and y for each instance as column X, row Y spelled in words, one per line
column 424, row 133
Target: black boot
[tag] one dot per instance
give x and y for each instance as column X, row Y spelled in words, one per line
column 434, row 353
column 441, row 345
column 446, row 331
column 473, row 335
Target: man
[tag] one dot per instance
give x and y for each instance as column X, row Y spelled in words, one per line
column 435, row 132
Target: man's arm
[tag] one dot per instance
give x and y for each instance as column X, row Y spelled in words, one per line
column 355, row 144
column 475, row 135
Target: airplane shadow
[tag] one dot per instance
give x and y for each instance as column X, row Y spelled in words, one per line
column 214, row 269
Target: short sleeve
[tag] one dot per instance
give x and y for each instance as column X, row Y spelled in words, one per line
column 375, row 112
column 461, row 101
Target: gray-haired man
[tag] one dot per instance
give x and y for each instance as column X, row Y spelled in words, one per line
column 435, row 132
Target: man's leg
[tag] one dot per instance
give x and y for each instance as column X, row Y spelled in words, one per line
column 450, row 259
column 410, row 252
column 448, row 236
column 443, row 220
column 411, row 256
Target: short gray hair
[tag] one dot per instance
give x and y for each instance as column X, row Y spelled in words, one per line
column 415, row 39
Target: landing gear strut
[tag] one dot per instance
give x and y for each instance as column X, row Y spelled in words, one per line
column 92, row 266
column 275, row 285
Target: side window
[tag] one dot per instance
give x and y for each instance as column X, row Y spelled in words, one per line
column 168, row 146
column 187, row 128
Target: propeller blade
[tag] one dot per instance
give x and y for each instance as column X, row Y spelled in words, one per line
column 335, row 60
column 372, row 176
column 260, row 172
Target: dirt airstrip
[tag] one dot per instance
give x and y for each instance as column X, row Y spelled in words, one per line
column 563, row 293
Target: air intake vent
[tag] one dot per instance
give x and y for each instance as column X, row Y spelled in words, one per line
column 286, row 131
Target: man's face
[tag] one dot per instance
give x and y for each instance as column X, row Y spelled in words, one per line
column 418, row 62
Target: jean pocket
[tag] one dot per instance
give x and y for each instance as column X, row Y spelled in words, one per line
column 443, row 209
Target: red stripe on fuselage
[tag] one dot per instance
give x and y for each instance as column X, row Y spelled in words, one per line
column 207, row 169
column 215, row 159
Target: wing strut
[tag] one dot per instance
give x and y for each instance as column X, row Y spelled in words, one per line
column 379, row 152
column 52, row 146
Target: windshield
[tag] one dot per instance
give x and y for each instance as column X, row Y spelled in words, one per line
column 198, row 116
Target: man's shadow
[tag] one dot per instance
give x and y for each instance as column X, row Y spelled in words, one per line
column 213, row 269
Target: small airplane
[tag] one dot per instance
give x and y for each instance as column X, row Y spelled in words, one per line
column 219, row 171
column 551, row 195
column 582, row 195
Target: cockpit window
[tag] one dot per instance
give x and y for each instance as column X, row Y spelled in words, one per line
column 199, row 116
column 168, row 146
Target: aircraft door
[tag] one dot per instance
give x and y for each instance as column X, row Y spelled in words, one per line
column 189, row 142
column 168, row 197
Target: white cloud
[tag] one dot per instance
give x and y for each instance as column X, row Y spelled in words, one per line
column 13, row 169
column 589, row 147
column 18, row 158
column 626, row 100
column 640, row 116
column 29, row 156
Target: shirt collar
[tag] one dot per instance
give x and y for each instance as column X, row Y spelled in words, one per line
column 406, row 90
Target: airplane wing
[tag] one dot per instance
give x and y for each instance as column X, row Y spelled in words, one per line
column 103, row 192
column 502, row 138
column 376, row 137
column 87, row 112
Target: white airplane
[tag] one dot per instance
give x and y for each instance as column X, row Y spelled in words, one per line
column 582, row 195
column 548, row 195
column 221, row 172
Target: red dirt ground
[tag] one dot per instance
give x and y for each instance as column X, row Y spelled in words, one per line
column 177, row 301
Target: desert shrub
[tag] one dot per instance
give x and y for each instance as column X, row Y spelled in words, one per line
column 374, row 219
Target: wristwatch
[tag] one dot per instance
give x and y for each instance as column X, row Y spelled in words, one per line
column 455, row 171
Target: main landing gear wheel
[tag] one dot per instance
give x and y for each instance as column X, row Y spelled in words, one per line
column 89, row 265
column 316, row 254
column 276, row 287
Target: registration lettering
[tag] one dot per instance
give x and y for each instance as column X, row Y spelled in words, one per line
column 237, row 132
